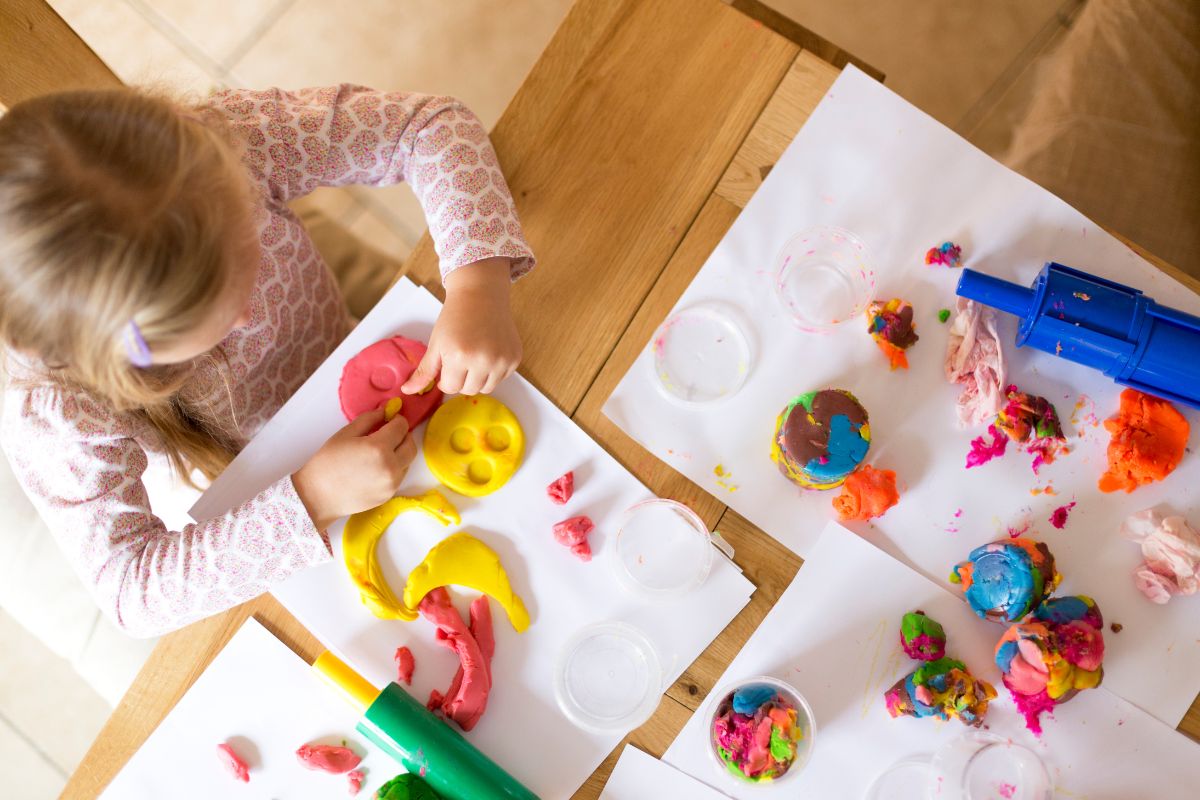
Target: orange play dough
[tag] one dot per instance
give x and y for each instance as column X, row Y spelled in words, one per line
column 1148, row 441
column 866, row 494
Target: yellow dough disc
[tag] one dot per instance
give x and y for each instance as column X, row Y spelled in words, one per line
column 473, row 445
column 463, row 560
column 362, row 533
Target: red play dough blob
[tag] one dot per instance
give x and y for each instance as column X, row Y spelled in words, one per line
column 561, row 490
column 327, row 758
column 233, row 763
column 375, row 376
column 573, row 533
column 405, row 664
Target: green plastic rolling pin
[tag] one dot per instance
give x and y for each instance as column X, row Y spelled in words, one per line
column 421, row 742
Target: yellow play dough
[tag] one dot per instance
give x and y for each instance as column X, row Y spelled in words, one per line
column 392, row 408
column 473, row 445
column 463, row 560
column 363, row 531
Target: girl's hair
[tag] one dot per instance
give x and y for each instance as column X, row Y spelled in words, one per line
column 117, row 206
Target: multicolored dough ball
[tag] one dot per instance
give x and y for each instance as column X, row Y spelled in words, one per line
column 922, row 637
column 1004, row 581
column 820, row 438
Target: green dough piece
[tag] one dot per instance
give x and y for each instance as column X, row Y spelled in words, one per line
column 943, row 315
column 781, row 748
column 406, row 787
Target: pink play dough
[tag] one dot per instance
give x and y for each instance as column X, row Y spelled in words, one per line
column 233, row 763
column 327, row 758
column 405, row 664
column 466, row 699
column 573, row 533
column 375, row 376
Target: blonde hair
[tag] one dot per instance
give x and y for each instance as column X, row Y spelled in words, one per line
column 116, row 206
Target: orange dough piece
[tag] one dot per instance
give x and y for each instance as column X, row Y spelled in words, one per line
column 866, row 494
column 897, row 359
column 1148, row 441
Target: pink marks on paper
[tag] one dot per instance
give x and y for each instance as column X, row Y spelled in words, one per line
column 1059, row 518
column 983, row 451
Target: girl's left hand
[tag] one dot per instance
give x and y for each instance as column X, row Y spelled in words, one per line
column 474, row 343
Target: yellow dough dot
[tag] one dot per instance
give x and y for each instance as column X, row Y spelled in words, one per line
column 498, row 439
column 473, row 445
column 462, row 440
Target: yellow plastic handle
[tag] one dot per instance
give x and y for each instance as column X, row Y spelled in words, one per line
column 353, row 688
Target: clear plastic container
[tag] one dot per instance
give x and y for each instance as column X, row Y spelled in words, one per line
column 804, row 718
column 608, row 678
column 701, row 355
column 981, row 766
column 974, row 766
column 824, row 278
column 663, row 549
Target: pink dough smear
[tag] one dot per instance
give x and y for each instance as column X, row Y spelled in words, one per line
column 975, row 361
column 1059, row 518
column 233, row 763
column 327, row 758
column 983, row 451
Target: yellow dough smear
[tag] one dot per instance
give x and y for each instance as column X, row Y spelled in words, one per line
column 463, row 560
column 363, row 532
column 473, row 445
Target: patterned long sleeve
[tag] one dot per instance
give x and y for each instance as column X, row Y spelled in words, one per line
column 342, row 135
column 83, row 468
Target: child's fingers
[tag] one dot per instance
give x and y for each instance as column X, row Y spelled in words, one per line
column 452, row 379
column 474, row 381
column 364, row 423
column 492, row 382
column 424, row 374
column 393, row 433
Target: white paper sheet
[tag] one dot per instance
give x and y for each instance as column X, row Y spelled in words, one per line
column 834, row 635
column 523, row 724
column 639, row 776
column 869, row 162
column 264, row 700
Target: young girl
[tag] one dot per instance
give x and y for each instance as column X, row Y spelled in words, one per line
column 159, row 303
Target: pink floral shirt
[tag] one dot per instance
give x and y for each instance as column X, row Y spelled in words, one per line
column 82, row 464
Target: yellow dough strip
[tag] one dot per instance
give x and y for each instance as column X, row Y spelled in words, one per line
column 463, row 560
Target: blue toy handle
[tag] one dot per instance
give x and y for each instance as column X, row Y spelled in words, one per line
column 1101, row 324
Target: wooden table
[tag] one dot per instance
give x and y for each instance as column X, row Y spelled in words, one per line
column 631, row 148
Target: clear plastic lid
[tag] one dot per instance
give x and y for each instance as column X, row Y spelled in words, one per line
column 980, row 765
column 608, row 679
column 701, row 355
column 824, row 278
column 662, row 549
column 910, row 779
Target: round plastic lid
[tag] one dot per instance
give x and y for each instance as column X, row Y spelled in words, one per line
column 978, row 765
column 824, row 278
column 910, row 779
column 608, row 678
column 701, row 355
column 662, row 548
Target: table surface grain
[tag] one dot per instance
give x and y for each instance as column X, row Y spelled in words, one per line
column 630, row 149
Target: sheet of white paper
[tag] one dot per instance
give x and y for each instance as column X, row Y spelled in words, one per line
column 262, row 699
column 834, row 635
column 639, row 776
column 869, row 162
column 523, row 722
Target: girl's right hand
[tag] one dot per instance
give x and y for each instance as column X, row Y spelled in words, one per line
column 356, row 469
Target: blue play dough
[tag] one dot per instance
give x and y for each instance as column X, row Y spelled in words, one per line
column 749, row 699
column 847, row 448
column 1061, row 610
column 1005, row 654
column 1002, row 582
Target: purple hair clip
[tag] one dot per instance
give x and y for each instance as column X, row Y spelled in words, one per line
column 135, row 346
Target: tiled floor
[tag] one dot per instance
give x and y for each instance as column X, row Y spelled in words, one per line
column 957, row 59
